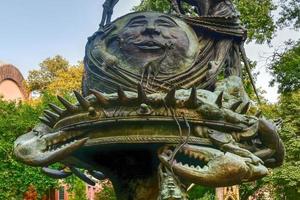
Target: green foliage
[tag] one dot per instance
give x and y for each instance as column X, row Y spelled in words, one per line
column 255, row 16
column 290, row 14
column 201, row 193
column 49, row 69
column 285, row 67
column 78, row 190
column 154, row 5
column 56, row 76
column 15, row 120
column 283, row 182
column 107, row 192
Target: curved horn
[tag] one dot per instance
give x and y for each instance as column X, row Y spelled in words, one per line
column 81, row 100
column 235, row 106
column 56, row 109
column 122, row 96
column 219, row 100
column 192, row 101
column 170, row 97
column 100, row 97
column 70, row 107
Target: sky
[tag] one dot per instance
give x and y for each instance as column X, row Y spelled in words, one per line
column 33, row 30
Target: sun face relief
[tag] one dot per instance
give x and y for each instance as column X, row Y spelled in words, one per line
column 152, row 43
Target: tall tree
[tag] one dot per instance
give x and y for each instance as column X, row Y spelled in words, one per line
column 285, row 68
column 290, row 13
column 15, row 178
column 56, row 76
column 49, row 69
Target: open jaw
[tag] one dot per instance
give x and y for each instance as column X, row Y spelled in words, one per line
column 211, row 167
column 37, row 149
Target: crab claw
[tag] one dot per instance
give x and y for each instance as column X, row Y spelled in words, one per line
column 273, row 152
column 212, row 167
column 41, row 148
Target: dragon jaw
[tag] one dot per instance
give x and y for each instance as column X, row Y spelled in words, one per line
column 212, row 167
column 38, row 149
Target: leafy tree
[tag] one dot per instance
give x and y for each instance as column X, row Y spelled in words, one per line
column 257, row 18
column 286, row 179
column 255, row 15
column 290, row 14
column 285, row 67
column 15, row 178
column 107, row 192
column 78, row 190
column 56, row 76
column 202, row 193
column 49, row 69
column 67, row 81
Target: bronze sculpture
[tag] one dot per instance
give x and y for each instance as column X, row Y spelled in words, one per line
column 154, row 116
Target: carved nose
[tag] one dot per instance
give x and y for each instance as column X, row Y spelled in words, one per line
column 151, row 30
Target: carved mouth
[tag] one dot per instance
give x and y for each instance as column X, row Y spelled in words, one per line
column 51, row 147
column 62, row 140
column 149, row 45
column 186, row 159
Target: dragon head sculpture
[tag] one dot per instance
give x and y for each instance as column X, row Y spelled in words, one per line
column 152, row 104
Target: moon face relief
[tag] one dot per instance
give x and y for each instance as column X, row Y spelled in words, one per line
column 151, row 44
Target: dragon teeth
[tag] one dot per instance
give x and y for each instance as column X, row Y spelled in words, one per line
column 195, row 155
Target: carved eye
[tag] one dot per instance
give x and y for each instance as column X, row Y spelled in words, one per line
column 137, row 23
column 165, row 23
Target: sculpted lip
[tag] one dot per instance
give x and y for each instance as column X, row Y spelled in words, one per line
column 148, row 45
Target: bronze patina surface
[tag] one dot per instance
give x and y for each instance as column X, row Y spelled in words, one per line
column 154, row 116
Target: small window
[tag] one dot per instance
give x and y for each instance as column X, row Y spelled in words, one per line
column 61, row 193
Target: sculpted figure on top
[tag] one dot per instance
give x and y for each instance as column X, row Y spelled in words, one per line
column 163, row 106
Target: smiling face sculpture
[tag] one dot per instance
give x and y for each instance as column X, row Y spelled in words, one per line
column 143, row 47
column 146, row 138
column 154, row 42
